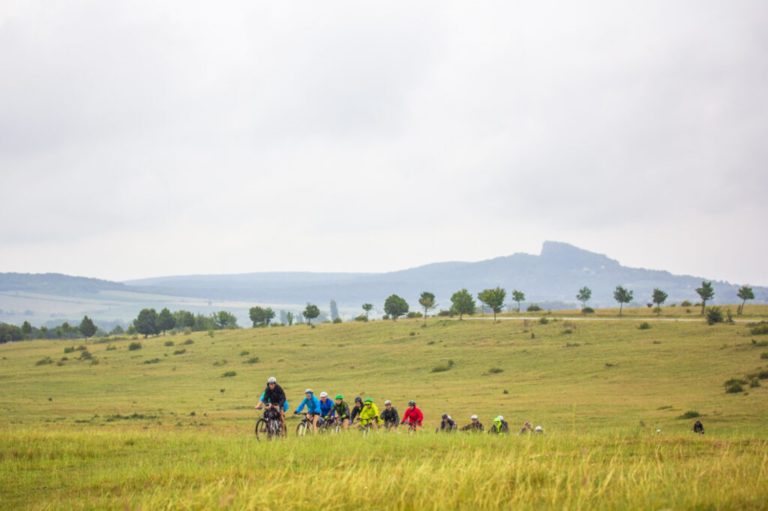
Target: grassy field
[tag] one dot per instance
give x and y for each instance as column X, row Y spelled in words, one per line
column 163, row 427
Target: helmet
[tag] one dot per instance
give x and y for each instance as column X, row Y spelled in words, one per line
column 499, row 418
column 411, row 403
column 358, row 399
column 474, row 417
column 387, row 402
column 368, row 400
column 271, row 379
column 308, row 391
column 339, row 396
column 445, row 416
column 323, row 394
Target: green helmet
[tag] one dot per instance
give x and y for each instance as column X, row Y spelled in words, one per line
column 339, row 396
column 368, row 400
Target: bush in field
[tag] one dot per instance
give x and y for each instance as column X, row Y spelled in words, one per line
column 152, row 361
column 252, row 360
column 86, row 355
column 180, row 352
column 134, row 346
column 361, row 317
column 229, row 374
column 734, row 385
column 533, row 308
column 337, row 321
column 686, row 303
column 111, row 347
column 714, row 315
column 168, row 343
column 69, row 349
column 44, row 361
column 189, row 341
column 244, row 353
column 441, row 368
column 587, row 310
column 543, row 320
column 690, row 414
column 764, row 355
column 495, row 370
column 644, row 326
column 759, row 328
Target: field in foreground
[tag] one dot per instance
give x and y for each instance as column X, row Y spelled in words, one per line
column 163, row 427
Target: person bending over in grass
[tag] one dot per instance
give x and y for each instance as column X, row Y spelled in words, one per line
column 340, row 410
column 358, row 406
column 390, row 416
column 499, row 426
column 326, row 405
column 313, row 407
column 274, row 396
column 413, row 416
column 475, row 426
column 369, row 415
column 447, row 424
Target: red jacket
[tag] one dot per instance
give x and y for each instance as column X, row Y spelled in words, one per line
column 413, row 415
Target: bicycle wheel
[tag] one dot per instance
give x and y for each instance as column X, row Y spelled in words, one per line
column 302, row 428
column 261, row 429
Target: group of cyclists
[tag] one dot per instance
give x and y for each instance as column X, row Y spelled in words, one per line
column 366, row 414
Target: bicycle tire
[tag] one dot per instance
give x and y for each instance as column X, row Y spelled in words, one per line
column 302, row 428
column 261, row 429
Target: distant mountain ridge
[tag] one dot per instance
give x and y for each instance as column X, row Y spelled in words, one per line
column 551, row 279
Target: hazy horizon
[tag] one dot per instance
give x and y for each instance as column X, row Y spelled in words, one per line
column 144, row 139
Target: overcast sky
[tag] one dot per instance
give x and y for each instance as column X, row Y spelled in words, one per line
column 153, row 138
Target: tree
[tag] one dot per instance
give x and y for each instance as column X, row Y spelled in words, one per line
column 261, row 316
column 462, row 303
column 289, row 318
column 706, row 292
column 87, row 327
column 518, row 296
column 184, row 319
column 367, row 307
column 494, row 299
column 225, row 320
column 118, row 330
column 334, row 311
column 745, row 293
column 165, row 321
column 658, row 298
column 427, row 300
column 395, row 306
column 622, row 296
column 146, row 322
column 26, row 329
column 310, row 312
column 584, row 295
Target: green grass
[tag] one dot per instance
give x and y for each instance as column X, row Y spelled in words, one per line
column 126, row 433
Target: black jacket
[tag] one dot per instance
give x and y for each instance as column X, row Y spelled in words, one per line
column 275, row 396
column 355, row 412
column 390, row 415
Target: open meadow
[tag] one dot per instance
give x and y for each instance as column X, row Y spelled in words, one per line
column 170, row 425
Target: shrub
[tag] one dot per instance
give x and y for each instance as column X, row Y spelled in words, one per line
column 759, row 328
column 754, row 382
column 134, row 346
column 686, row 303
column 80, row 348
column 86, row 355
column 180, row 352
column 414, row 315
column 189, row 341
column 495, row 370
column 543, row 320
column 220, row 363
column 572, row 345
column 734, row 385
column 644, row 326
column 587, row 310
column 111, row 347
column 252, row 360
column 229, row 374
column 152, row 361
column 337, row 320
column 445, row 314
column 441, row 368
column 567, row 331
column 714, row 315
column 690, row 414
column 44, row 361
column 763, row 375
column 69, row 349
column 244, row 353
column 168, row 343
column 533, row 308
column 361, row 317
column 385, row 317
column 764, row 355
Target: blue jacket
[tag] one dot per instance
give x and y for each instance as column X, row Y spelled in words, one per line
column 325, row 408
column 312, row 404
column 285, row 403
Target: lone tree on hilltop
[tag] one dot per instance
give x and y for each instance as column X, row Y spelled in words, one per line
column 427, row 300
column 165, row 320
column 706, row 292
column 261, row 316
column 518, row 296
column 745, row 293
column 146, row 322
column 584, row 296
column 87, row 327
column 622, row 296
column 367, row 307
column 310, row 312
column 658, row 297
column 462, row 303
column 494, row 299
column 395, row 306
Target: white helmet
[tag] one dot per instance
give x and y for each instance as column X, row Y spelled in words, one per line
column 500, row 417
column 474, row 417
column 387, row 402
column 323, row 394
column 308, row 391
column 271, row 379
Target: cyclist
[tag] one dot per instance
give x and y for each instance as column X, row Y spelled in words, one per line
column 274, row 397
column 340, row 411
column 527, row 428
column 390, row 416
column 356, row 409
column 259, row 406
column 698, row 427
column 499, row 426
column 475, row 426
column 326, row 405
column 413, row 416
column 369, row 414
column 313, row 407
column 447, row 424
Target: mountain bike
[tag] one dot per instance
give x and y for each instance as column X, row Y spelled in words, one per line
column 269, row 426
column 305, row 426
